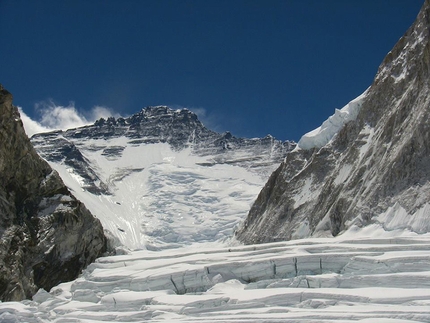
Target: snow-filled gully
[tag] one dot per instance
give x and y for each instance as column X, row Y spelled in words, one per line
column 312, row 280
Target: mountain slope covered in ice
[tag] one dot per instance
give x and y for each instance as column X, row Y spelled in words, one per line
column 160, row 178
column 368, row 163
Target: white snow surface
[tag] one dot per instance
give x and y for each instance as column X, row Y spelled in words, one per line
column 161, row 198
column 364, row 275
column 322, row 135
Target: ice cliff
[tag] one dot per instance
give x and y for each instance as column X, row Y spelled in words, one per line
column 369, row 163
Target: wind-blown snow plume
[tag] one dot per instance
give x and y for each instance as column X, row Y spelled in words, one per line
column 31, row 126
column 58, row 117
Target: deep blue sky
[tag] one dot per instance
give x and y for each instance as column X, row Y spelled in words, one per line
column 256, row 67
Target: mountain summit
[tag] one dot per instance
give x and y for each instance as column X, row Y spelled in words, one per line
column 151, row 125
column 160, row 178
column 369, row 164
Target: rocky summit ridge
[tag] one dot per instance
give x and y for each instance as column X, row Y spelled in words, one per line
column 179, row 128
column 46, row 235
column 375, row 170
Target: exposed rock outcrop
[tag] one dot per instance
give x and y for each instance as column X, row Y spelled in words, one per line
column 376, row 169
column 46, row 235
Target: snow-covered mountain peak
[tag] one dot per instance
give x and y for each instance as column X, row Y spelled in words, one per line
column 151, row 125
column 160, row 178
column 165, row 114
column 163, row 110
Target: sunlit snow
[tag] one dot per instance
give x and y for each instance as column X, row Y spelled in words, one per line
column 365, row 275
column 161, row 197
column 320, row 136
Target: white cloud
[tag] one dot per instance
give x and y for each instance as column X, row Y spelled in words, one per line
column 101, row 112
column 56, row 117
column 60, row 117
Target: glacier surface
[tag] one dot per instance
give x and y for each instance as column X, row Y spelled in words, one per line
column 365, row 275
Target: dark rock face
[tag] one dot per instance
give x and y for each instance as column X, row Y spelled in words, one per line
column 47, row 236
column 376, row 163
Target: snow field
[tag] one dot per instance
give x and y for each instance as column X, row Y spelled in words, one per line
column 374, row 278
column 161, row 198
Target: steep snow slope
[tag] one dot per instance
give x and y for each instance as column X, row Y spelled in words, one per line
column 370, row 162
column 364, row 276
column 160, row 179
